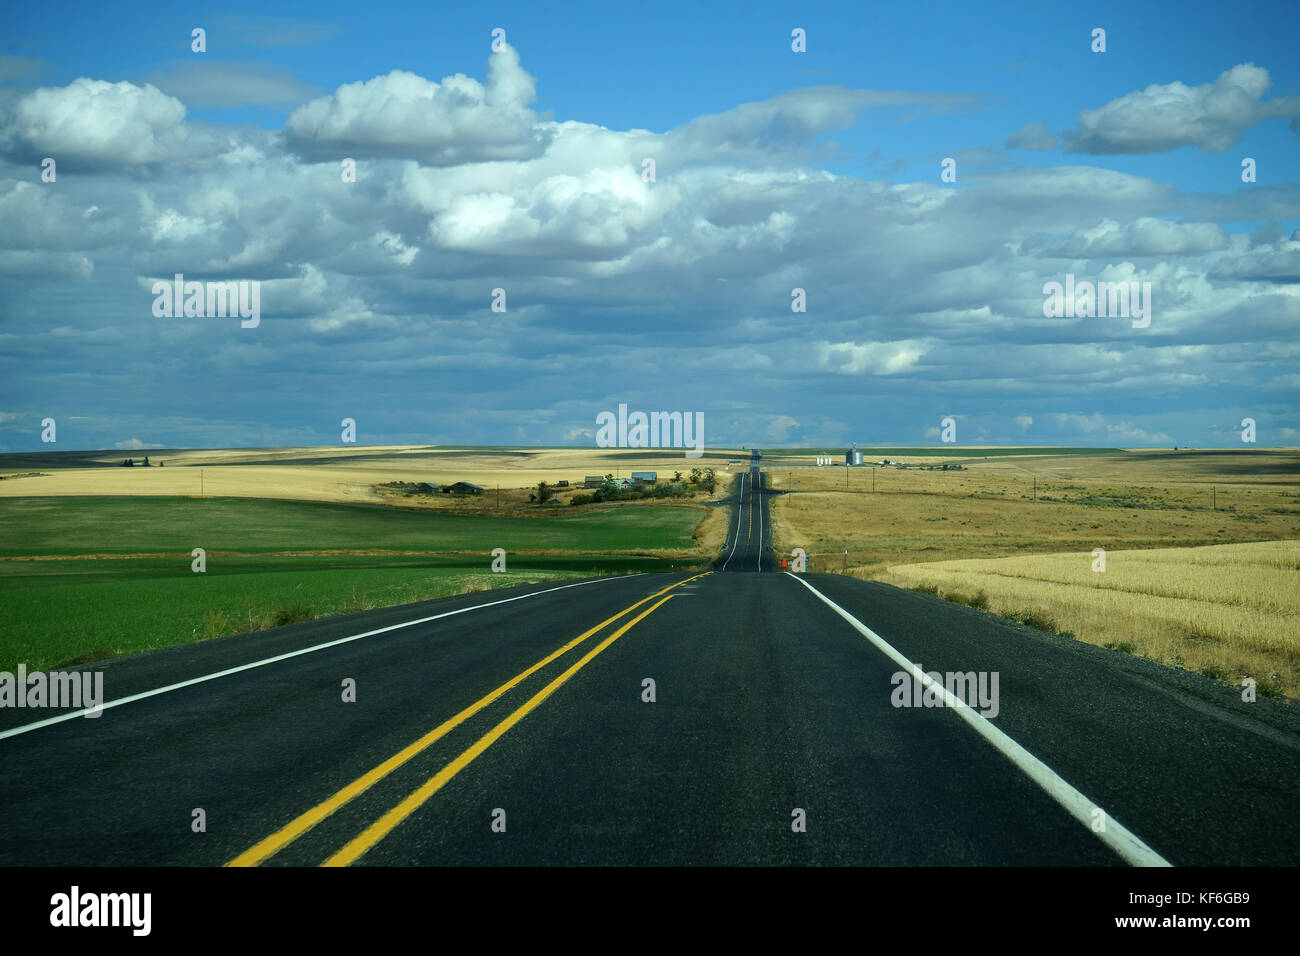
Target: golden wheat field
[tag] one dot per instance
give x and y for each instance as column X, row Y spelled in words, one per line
column 1213, row 588
column 1226, row 611
column 1033, row 504
column 334, row 474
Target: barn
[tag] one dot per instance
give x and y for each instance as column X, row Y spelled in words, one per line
column 463, row 488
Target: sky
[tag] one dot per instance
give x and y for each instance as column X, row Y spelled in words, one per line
column 921, row 171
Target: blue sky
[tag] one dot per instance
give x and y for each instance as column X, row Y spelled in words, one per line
column 774, row 170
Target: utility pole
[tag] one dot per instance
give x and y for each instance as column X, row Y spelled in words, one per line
column 1035, row 487
column 200, row 482
column 498, row 498
column 1214, row 498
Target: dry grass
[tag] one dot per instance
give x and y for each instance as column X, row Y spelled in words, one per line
column 1228, row 611
column 357, row 601
column 711, row 533
column 215, row 624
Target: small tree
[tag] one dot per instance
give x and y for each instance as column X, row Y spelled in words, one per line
column 696, row 475
column 608, row 488
column 146, row 461
column 677, row 477
column 544, row 493
column 710, row 481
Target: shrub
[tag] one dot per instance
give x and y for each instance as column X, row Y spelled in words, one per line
column 294, row 614
column 1034, row 619
column 1269, row 686
column 356, row 602
column 215, row 624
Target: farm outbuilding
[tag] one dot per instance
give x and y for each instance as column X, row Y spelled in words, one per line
column 463, row 488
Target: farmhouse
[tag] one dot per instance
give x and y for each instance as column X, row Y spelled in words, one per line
column 644, row 477
column 593, row 481
column 463, row 488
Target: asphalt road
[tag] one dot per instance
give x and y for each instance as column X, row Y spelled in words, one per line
column 749, row 536
column 516, row 727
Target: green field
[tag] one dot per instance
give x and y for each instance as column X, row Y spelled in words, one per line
column 138, row 592
column 127, row 525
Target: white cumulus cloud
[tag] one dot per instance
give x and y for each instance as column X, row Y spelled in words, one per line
column 97, row 123
column 403, row 115
column 1164, row 117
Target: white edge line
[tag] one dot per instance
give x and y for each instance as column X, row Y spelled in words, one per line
column 95, row 711
column 736, row 540
column 737, row 524
column 1116, row 836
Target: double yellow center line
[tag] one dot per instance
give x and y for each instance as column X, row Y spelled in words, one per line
column 277, row 841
